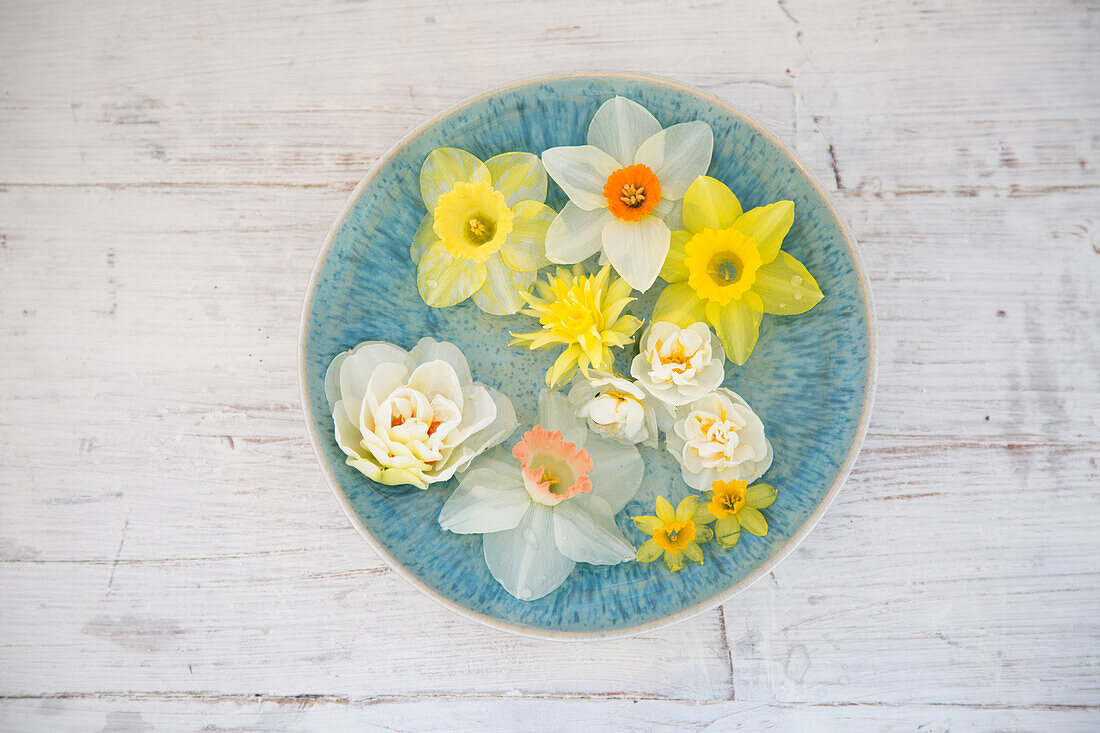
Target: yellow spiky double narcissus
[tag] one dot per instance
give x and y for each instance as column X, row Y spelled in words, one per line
column 726, row 268
column 484, row 235
column 585, row 314
column 675, row 533
column 734, row 504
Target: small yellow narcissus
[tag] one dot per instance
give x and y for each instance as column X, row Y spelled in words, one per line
column 733, row 505
column 676, row 534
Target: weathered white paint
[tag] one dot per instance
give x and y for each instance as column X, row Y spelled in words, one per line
column 168, row 549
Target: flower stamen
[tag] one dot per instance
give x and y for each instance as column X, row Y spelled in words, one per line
column 633, row 196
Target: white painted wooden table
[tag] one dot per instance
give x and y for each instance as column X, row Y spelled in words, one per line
column 170, row 557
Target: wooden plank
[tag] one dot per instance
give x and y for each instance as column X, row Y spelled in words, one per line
column 120, row 714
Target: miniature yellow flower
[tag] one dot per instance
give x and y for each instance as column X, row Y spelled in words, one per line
column 735, row 504
column 485, row 230
column 583, row 312
column 727, row 268
column 676, row 534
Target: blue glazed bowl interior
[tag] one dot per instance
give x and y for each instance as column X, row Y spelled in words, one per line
column 808, row 377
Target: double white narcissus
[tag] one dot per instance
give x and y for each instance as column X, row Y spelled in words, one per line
column 614, row 408
column 727, row 268
column 677, row 365
column 483, row 235
column 549, row 504
column 624, row 188
column 413, row 417
column 719, row 438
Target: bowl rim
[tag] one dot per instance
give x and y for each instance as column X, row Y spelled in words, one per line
column 703, row 606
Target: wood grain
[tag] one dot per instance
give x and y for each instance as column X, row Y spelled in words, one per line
column 169, row 553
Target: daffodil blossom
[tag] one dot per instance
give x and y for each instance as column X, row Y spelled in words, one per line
column 412, row 417
column 614, row 408
column 733, row 505
column 727, row 268
column 549, row 504
column 719, row 438
column 677, row 365
column 675, row 534
column 624, row 189
column 484, row 233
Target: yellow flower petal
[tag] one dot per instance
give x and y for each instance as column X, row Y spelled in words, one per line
column 686, row 508
column 703, row 515
column 648, row 524
column 665, row 511
column 674, row 562
column 694, row 553
column 563, row 365
column 500, row 294
column 767, row 225
column 519, row 176
column 443, row 168
column 525, row 247
column 423, row 238
column 737, row 326
column 709, row 204
column 444, row 280
column 753, row 521
column 786, row 287
column 649, row 551
column 760, row 496
column 674, row 269
column 679, row 304
column 727, row 530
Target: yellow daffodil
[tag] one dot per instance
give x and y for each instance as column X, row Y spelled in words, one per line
column 733, row 505
column 676, row 534
column 582, row 312
column 485, row 231
column 727, row 268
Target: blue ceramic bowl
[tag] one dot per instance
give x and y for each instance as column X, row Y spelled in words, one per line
column 810, row 377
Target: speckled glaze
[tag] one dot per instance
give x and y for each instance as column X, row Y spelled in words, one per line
column 810, row 377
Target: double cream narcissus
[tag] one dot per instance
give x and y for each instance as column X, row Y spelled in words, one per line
column 727, row 268
column 624, row 188
column 548, row 504
column 483, row 235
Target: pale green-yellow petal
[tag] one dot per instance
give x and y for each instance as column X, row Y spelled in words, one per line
column 674, row 270
column 709, row 204
column 703, row 515
column 674, row 562
column 500, row 295
column 703, row 533
column 679, row 304
column 686, row 508
column 753, row 521
column 443, row 168
column 693, row 552
column 665, row 512
column 649, row 551
column 727, row 530
column 519, row 176
column 786, row 287
column 424, row 237
column 648, row 524
column 767, row 225
column 525, row 247
column 444, row 280
column 760, row 496
column 737, row 326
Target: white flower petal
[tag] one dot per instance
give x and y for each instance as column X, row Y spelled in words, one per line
column 556, row 413
column 637, row 250
column 500, row 294
column 443, row 168
column 620, row 126
column 526, row 560
column 678, row 155
column 428, row 349
column 581, row 171
column 485, row 501
column 671, row 212
column 348, row 436
column 519, row 176
column 576, row 234
column 504, row 423
column 588, row 533
column 356, row 370
column 437, row 377
column 616, row 472
column 332, row 379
